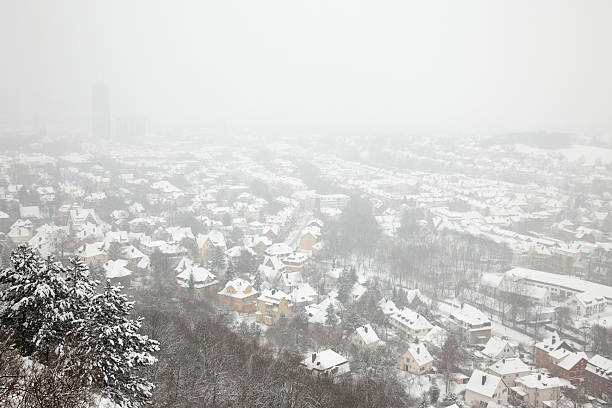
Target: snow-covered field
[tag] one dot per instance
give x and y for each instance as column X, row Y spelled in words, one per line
column 573, row 153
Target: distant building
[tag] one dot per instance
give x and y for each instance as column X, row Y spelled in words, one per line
column 130, row 128
column 100, row 112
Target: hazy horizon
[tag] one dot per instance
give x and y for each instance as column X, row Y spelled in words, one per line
column 443, row 66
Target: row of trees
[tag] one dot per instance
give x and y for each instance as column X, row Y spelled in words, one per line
column 56, row 325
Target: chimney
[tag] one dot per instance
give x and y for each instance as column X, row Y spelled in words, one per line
column 365, row 328
column 484, row 379
column 418, row 350
column 554, row 340
column 503, row 361
column 314, row 357
column 539, row 377
column 462, row 304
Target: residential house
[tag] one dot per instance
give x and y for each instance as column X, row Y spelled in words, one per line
column 118, row 273
column 272, row 305
column 509, row 369
column 571, row 367
column 327, row 363
column 410, row 323
column 548, row 345
column 471, row 324
column 586, row 304
column 304, row 295
column 199, row 278
column 483, row 388
column 598, row 377
column 309, row 238
column 537, row 389
column 416, row 360
column 211, row 244
column 239, row 295
column 497, row 348
column 21, row 231
column 92, row 253
column 365, row 337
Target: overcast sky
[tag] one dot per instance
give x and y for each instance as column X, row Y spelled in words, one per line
column 405, row 65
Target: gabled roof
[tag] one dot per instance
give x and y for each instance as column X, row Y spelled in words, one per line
column 475, row 384
column 494, row 347
column 571, row 360
column 324, row 360
column 420, row 354
column 511, row 365
column 367, row 334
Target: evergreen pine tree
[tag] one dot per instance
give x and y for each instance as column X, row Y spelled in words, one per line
column 331, row 319
column 229, row 272
column 36, row 314
column 115, row 350
column 257, row 281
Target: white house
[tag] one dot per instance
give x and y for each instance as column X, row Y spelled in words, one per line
column 327, row 363
column 483, row 388
column 365, row 337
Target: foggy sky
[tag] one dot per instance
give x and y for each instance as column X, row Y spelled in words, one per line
column 405, row 65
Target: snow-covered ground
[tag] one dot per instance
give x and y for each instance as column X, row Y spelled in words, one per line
column 500, row 330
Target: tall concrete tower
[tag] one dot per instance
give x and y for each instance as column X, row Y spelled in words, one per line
column 100, row 112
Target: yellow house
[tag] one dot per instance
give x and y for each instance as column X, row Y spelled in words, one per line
column 272, row 305
column 210, row 243
column 239, row 295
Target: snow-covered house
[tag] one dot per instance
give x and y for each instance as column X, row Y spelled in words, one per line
column 272, row 305
column 509, row 369
column 471, row 324
column 538, row 390
column 303, row 295
column 210, row 244
column 410, row 323
column 497, row 348
column 118, row 273
column 327, row 363
column 239, row 295
column 416, row 360
column 365, row 337
column 204, row 282
column 483, row 388
column 92, row 253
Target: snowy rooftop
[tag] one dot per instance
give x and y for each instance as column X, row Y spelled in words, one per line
column 324, row 360
column 367, row 334
column 483, row 383
column 509, row 366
